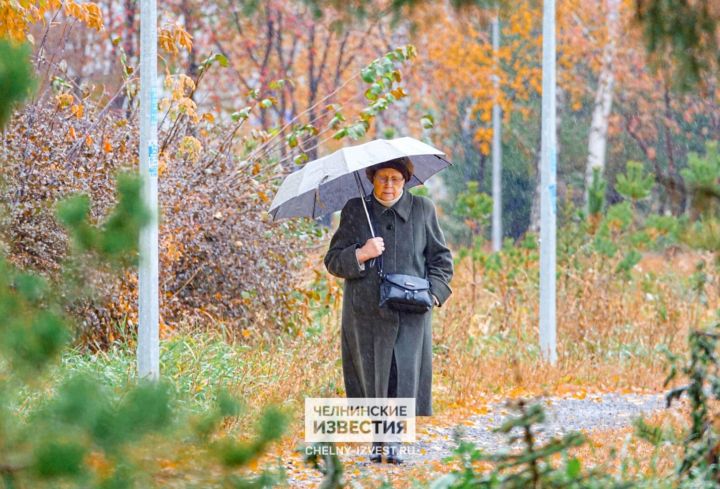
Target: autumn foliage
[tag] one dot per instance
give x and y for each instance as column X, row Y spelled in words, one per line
column 220, row 257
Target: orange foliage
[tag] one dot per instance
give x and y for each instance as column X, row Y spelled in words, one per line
column 16, row 16
column 89, row 13
column 464, row 67
column 174, row 37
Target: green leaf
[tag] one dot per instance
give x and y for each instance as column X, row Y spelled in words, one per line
column 368, row 75
column 573, row 468
column 221, row 59
column 427, row 121
column 241, row 114
column 335, row 121
column 276, row 84
column 387, row 65
column 370, row 95
column 356, row 131
column 341, row 133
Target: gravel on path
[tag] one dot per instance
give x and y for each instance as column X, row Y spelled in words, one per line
column 595, row 412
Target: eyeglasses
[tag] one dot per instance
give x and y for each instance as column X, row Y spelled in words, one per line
column 393, row 180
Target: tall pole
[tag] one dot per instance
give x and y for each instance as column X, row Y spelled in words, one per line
column 496, row 145
column 148, row 349
column 548, row 189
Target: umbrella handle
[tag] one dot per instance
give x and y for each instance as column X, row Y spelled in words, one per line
column 367, row 215
column 362, row 198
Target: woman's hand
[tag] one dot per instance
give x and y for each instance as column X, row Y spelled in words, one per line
column 373, row 247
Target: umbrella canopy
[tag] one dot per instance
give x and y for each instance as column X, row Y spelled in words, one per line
column 324, row 185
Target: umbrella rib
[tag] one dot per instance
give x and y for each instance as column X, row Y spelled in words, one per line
column 315, row 201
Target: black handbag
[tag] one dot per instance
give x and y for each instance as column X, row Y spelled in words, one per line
column 402, row 292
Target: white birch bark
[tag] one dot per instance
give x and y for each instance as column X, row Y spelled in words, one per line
column 597, row 139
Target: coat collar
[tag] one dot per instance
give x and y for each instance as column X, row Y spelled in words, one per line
column 402, row 207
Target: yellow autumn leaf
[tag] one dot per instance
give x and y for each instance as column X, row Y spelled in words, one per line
column 516, row 392
column 63, row 100
column 186, row 82
column 189, row 108
column 398, row 93
column 165, row 40
column 190, row 148
column 94, row 16
column 77, row 110
column 183, row 38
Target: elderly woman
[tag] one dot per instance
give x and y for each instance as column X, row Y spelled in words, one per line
column 387, row 353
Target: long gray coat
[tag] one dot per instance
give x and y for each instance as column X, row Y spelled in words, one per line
column 413, row 241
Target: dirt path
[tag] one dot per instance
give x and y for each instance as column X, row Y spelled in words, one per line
column 594, row 412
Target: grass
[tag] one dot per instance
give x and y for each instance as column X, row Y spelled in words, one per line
column 609, row 333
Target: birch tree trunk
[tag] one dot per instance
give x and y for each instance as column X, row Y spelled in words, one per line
column 597, row 139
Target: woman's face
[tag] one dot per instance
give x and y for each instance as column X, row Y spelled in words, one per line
column 388, row 183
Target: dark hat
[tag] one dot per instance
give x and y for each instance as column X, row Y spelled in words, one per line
column 402, row 164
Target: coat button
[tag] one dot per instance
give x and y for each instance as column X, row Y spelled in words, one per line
column 389, row 227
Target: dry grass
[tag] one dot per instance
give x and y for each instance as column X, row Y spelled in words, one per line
column 608, row 331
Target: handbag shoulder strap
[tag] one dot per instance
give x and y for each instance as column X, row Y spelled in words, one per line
column 424, row 224
column 375, row 226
